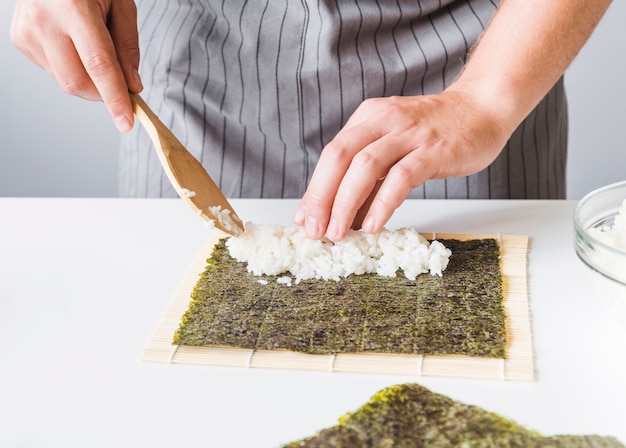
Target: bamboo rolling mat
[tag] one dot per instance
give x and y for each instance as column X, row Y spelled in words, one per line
column 517, row 365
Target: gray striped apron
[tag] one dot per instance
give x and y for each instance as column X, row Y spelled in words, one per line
column 255, row 89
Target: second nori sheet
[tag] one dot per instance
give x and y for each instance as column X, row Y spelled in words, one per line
column 410, row 415
column 459, row 313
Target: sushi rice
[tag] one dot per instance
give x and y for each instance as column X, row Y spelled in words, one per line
column 275, row 250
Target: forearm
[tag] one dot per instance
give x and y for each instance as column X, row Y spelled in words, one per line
column 525, row 49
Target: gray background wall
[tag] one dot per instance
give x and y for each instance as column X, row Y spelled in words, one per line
column 52, row 144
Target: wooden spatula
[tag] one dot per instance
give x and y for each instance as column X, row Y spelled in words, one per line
column 188, row 177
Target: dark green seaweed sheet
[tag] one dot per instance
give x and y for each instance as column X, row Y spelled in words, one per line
column 459, row 313
column 410, row 415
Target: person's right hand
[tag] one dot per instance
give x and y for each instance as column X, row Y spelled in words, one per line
column 90, row 47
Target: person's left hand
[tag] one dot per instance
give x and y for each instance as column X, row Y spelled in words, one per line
column 390, row 146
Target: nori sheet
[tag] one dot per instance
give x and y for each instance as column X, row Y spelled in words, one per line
column 410, row 415
column 458, row 313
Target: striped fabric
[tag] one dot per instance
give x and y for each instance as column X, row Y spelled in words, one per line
column 255, row 89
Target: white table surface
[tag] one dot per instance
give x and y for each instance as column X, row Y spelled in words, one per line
column 84, row 282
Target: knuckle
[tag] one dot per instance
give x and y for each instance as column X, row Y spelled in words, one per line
column 37, row 15
column 73, row 86
column 433, row 138
column 343, row 201
column 129, row 46
column 25, row 26
column 17, row 36
column 316, row 199
column 365, row 160
column 393, row 108
column 126, row 6
column 98, row 65
column 70, row 87
column 403, row 173
column 116, row 104
column 336, row 150
column 370, row 103
column 383, row 203
column 71, row 5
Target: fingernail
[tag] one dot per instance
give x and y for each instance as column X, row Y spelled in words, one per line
column 312, row 227
column 369, row 225
column 298, row 217
column 332, row 232
column 122, row 123
column 137, row 78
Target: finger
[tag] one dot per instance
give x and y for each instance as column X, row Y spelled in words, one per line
column 367, row 167
column 300, row 214
column 97, row 53
column 34, row 53
column 405, row 175
column 43, row 42
column 23, row 36
column 39, row 37
column 67, row 69
column 316, row 204
column 125, row 38
column 362, row 213
column 367, row 110
column 314, row 211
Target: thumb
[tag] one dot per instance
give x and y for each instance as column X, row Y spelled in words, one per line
column 123, row 29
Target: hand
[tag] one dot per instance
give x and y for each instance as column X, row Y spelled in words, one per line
column 390, row 146
column 90, row 47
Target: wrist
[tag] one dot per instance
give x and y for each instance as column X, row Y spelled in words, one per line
column 495, row 104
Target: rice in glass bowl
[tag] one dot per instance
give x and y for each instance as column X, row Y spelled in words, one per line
column 600, row 231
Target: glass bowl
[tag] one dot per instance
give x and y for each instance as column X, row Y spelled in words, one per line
column 594, row 219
